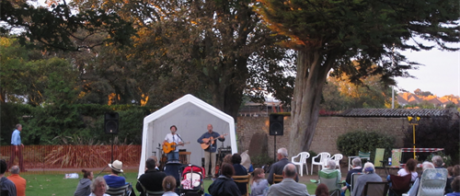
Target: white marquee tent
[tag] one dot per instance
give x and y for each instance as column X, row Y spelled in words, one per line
column 191, row 116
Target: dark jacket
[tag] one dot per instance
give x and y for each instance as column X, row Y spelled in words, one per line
column 152, row 181
column 348, row 180
column 277, row 168
column 240, row 170
column 224, row 186
column 83, row 187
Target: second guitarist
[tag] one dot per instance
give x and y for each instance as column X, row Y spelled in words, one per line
column 173, row 137
column 210, row 152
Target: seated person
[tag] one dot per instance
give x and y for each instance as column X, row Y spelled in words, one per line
column 99, row 187
column 369, row 176
column 113, row 180
column 169, row 184
column 414, row 189
column 239, row 171
column 288, row 186
column 259, row 185
column 409, row 168
column 455, row 187
column 152, row 178
column 224, row 184
column 331, row 167
column 246, row 161
column 277, row 168
column 83, row 187
column 356, row 168
column 322, row 190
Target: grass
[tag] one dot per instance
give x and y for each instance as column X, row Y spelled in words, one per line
column 56, row 185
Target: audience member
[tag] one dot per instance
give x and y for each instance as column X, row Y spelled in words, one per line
column 246, row 161
column 20, row 182
column 356, row 168
column 322, row 190
column 259, row 186
column 113, row 180
column 455, row 187
column 99, row 187
column 83, row 187
column 6, row 184
column 288, row 186
column 224, row 185
column 409, row 168
column 452, row 173
column 152, row 179
column 239, row 171
column 169, row 184
column 414, row 189
column 226, row 159
column 331, row 167
column 277, row 168
column 369, row 176
column 437, row 161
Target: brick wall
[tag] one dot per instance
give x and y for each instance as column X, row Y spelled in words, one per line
column 327, row 131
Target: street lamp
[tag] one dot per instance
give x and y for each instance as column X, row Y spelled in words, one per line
column 413, row 120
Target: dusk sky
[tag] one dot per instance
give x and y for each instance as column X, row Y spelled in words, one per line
column 439, row 74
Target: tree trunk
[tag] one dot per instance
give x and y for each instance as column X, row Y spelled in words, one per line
column 312, row 69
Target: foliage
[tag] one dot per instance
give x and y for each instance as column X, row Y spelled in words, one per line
column 339, row 94
column 53, row 29
column 261, row 160
column 85, row 121
column 351, row 143
column 447, row 160
column 329, row 35
column 435, row 133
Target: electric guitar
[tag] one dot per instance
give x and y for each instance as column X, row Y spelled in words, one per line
column 169, row 147
column 209, row 141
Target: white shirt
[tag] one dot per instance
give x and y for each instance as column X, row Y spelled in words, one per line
column 403, row 172
column 173, row 138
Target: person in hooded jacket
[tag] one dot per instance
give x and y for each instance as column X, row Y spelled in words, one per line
column 83, row 187
column 224, row 184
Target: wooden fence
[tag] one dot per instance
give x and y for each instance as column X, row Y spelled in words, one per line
column 43, row 157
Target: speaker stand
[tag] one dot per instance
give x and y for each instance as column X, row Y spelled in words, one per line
column 110, row 162
column 274, row 149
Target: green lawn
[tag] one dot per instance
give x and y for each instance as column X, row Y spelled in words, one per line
column 56, row 185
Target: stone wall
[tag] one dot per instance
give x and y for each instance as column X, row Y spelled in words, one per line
column 252, row 132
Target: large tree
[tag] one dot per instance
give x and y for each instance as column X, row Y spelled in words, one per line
column 213, row 49
column 329, row 34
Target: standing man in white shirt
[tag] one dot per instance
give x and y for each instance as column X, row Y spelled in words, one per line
column 173, row 137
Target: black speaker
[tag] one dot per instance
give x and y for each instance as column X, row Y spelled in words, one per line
column 111, row 122
column 276, row 124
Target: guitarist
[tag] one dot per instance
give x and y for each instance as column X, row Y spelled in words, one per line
column 210, row 152
column 173, row 137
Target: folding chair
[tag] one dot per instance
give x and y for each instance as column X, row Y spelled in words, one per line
column 378, row 158
column 354, row 180
column 375, row 189
column 399, row 184
column 331, row 180
column 244, row 179
column 433, row 182
column 277, row 178
column 118, row 191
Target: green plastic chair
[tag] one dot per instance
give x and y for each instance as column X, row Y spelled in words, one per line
column 379, row 155
column 331, row 180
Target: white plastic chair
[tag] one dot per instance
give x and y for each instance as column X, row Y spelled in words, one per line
column 323, row 157
column 337, row 158
column 302, row 161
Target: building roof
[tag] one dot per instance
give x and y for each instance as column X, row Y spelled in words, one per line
column 374, row 112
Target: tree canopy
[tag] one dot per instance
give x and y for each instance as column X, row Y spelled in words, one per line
column 329, row 35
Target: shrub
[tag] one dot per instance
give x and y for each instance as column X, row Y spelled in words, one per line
column 435, row 133
column 350, row 144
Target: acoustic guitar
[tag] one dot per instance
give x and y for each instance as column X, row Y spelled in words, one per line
column 169, row 147
column 209, row 141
